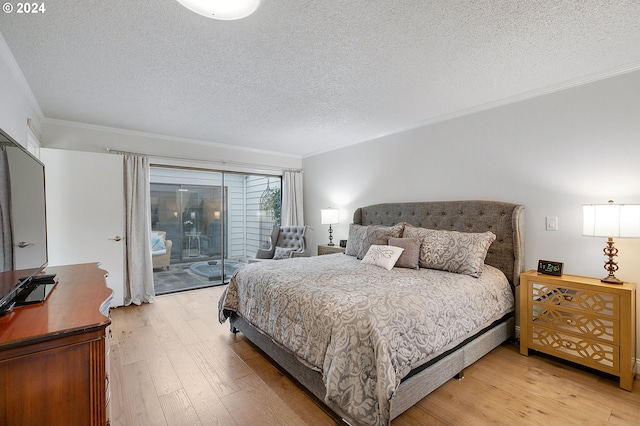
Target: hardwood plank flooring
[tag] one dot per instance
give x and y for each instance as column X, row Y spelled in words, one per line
column 173, row 363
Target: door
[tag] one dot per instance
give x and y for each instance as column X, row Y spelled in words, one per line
column 85, row 219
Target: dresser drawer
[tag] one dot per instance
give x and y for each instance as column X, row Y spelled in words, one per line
column 594, row 327
column 588, row 352
column 592, row 302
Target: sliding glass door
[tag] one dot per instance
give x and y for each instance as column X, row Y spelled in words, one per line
column 191, row 217
column 214, row 220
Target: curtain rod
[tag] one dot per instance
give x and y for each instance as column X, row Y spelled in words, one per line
column 199, row 160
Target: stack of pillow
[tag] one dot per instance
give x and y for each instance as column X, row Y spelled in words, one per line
column 406, row 246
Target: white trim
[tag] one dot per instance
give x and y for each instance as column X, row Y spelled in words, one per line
column 136, row 133
column 8, row 58
column 33, row 140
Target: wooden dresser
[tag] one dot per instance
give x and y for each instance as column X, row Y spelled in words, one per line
column 53, row 355
column 580, row 319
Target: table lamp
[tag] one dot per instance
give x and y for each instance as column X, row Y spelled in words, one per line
column 330, row 217
column 609, row 221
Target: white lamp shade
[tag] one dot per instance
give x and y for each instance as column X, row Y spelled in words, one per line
column 329, row 216
column 226, row 10
column 611, row 220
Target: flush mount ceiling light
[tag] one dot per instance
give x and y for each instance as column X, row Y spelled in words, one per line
column 222, row 9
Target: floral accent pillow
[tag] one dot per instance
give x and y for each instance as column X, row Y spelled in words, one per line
column 357, row 235
column 383, row 256
column 460, row 252
column 379, row 235
column 410, row 257
column 282, row 253
column 362, row 237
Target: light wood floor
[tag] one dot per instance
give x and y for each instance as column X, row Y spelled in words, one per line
column 172, row 363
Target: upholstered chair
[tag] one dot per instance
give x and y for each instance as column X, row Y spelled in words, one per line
column 287, row 242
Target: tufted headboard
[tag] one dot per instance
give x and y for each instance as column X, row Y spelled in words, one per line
column 506, row 220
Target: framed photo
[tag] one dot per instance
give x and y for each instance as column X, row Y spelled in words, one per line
column 550, row 267
column 343, row 243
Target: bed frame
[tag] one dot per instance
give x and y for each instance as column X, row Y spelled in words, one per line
column 506, row 220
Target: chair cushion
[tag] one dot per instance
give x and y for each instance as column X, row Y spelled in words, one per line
column 158, row 246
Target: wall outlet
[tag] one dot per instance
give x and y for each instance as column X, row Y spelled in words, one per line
column 552, row 223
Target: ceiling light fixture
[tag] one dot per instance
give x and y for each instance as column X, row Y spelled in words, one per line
column 226, row 10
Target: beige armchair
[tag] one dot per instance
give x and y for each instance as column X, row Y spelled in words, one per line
column 160, row 256
column 287, row 242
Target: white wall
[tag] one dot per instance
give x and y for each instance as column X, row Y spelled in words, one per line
column 552, row 154
column 17, row 104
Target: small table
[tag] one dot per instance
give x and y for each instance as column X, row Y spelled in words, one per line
column 327, row 249
column 191, row 236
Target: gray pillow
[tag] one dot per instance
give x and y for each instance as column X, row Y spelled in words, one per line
column 282, row 253
column 410, row 257
column 460, row 252
column 357, row 235
column 362, row 237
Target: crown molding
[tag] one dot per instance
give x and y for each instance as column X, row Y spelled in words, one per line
column 136, row 133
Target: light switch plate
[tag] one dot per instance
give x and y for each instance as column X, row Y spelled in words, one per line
column 552, row 223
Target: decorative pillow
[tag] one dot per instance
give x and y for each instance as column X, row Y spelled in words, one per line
column 461, row 252
column 282, row 253
column 362, row 237
column 410, row 257
column 157, row 243
column 379, row 235
column 357, row 235
column 383, row 256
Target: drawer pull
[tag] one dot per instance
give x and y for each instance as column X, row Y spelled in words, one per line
column 568, row 298
column 567, row 345
column 569, row 321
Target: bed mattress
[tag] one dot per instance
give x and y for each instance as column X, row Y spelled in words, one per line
column 363, row 327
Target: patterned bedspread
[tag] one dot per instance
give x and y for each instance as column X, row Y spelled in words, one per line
column 364, row 327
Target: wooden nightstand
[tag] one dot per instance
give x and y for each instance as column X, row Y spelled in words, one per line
column 325, row 249
column 580, row 319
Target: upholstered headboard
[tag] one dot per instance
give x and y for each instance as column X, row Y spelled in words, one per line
column 506, row 220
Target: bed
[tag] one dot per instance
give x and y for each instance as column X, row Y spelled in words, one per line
column 370, row 341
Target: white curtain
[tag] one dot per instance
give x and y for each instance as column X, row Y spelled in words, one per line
column 138, row 266
column 292, row 212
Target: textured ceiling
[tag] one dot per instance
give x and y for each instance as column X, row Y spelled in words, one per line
column 303, row 76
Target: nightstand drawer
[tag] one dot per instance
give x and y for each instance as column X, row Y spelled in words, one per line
column 579, row 323
column 588, row 352
column 597, row 303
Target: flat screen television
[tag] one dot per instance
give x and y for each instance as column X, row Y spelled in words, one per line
column 23, row 226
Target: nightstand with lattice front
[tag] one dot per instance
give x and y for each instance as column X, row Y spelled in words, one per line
column 580, row 319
